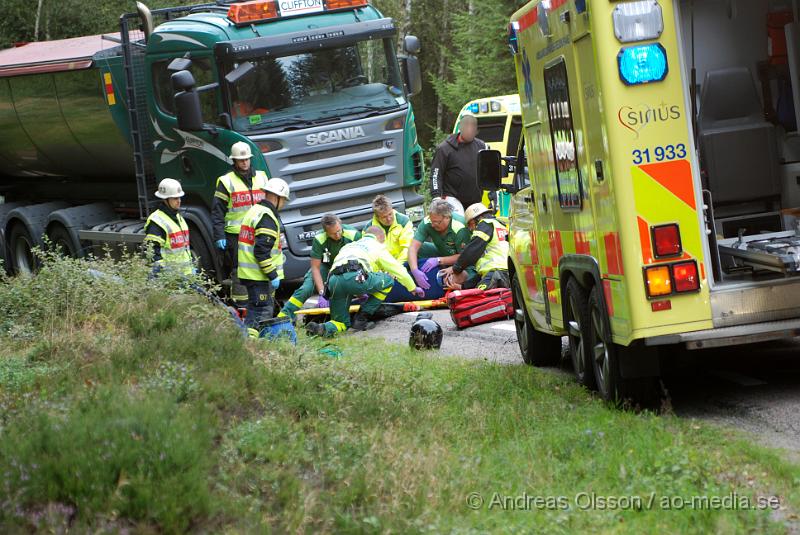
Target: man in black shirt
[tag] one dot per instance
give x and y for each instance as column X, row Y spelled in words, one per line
column 454, row 167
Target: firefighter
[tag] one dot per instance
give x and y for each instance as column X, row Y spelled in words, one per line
column 260, row 261
column 167, row 232
column 237, row 191
column 396, row 226
column 439, row 240
column 487, row 251
column 362, row 267
column 326, row 245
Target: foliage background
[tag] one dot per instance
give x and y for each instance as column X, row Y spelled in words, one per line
column 464, row 52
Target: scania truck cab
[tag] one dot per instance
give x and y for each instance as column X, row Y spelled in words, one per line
column 315, row 87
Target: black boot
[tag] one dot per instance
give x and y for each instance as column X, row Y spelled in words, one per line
column 315, row 329
column 362, row 323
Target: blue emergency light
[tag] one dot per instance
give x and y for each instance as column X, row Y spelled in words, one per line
column 473, row 108
column 642, row 64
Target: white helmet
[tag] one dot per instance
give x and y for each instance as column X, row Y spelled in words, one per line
column 278, row 186
column 241, row 151
column 474, row 210
column 169, row 188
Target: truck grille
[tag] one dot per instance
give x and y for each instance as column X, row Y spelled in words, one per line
column 338, row 170
column 320, row 190
column 333, row 153
column 335, row 206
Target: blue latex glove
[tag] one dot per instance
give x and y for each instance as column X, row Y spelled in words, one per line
column 418, row 292
column 420, row 279
column 429, row 265
column 275, row 283
column 221, row 244
column 322, row 302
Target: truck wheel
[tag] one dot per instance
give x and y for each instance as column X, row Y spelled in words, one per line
column 577, row 323
column 62, row 241
column 20, row 248
column 611, row 385
column 201, row 252
column 537, row 348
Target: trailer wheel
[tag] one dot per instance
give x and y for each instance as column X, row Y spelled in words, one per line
column 62, row 241
column 20, row 248
column 611, row 385
column 577, row 322
column 537, row 348
column 201, row 252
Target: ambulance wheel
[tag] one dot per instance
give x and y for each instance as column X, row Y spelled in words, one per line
column 577, row 322
column 537, row 348
column 612, row 387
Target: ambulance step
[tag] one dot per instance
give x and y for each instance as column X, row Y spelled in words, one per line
column 727, row 336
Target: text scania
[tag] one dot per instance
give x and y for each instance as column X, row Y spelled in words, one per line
column 341, row 134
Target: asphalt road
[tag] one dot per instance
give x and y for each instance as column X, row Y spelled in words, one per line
column 754, row 388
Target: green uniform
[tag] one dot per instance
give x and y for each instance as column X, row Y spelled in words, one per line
column 325, row 250
column 362, row 267
column 451, row 242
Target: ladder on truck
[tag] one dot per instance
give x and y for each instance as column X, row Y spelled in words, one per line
column 134, row 46
column 133, row 54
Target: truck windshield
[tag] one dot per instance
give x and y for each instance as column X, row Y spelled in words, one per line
column 317, row 86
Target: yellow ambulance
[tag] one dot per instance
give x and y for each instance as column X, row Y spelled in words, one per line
column 656, row 190
column 500, row 127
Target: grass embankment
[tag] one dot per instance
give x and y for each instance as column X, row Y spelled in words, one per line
column 126, row 405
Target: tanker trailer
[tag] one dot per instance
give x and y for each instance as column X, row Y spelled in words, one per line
column 90, row 125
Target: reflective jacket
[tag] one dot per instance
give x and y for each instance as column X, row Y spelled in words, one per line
column 174, row 244
column 260, row 223
column 398, row 236
column 374, row 257
column 239, row 198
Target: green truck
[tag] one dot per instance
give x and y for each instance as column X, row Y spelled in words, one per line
column 89, row 126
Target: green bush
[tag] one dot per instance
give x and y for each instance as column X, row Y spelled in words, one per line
column 137, row 457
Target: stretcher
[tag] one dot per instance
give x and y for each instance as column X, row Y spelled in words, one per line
column 777, row 251
column 392, row 308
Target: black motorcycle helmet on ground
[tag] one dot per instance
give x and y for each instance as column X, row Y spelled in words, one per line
column 425, row 333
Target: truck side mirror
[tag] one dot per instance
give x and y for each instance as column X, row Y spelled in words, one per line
column 411, row 74
column 182, row 80
column 179, row 64
column 187, row 108
column 490, row 169
column 411, row 44
column 239, row 72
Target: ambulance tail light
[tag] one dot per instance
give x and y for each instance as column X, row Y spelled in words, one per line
column 638, row 21
column 658, row 281
column 685, row 276
column 642, row 64
column 667, row 240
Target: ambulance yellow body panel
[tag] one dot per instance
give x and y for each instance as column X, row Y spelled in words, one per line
column 608, row 193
